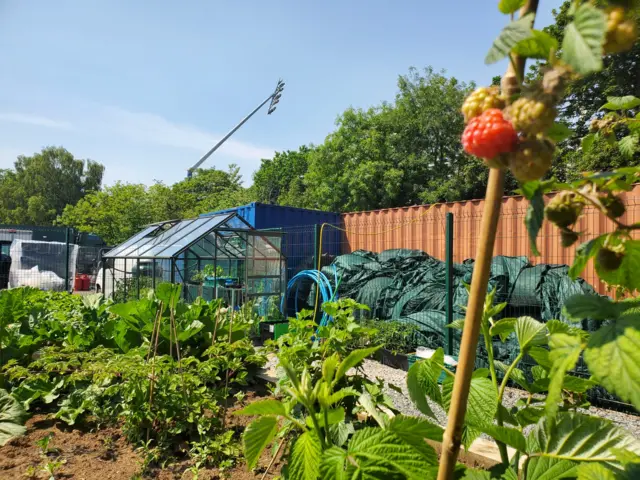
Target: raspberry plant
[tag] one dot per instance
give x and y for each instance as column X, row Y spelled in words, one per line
column 557, row 447
column 508, row 128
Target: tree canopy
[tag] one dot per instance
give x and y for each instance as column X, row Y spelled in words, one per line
column 620, row 76
column 390, row 155
column 119, row 211
column 39, row 187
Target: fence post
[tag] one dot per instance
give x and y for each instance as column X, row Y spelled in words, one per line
column 449, row 281
column 316, row 245
column 66, row 270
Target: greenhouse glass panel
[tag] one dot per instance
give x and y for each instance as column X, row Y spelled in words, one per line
column 178, row 243
column 219, row 256
column 167, row 239
column 136, row 240
column 163, row 232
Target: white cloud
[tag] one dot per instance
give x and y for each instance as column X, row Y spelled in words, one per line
column 154, row 129
column 35, row 120
column 133, row 146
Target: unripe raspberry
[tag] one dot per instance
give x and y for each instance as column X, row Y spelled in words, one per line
column 564, row 209
column 621, row 34
column 609, row 259
column 481, row 100
column 615, row 207
column 604, row 124
column 555, row 80
column 568, row 237
column 532, row 159
column 531, row 115
column 489, row 135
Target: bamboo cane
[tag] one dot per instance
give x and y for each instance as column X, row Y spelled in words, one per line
column 452, row 438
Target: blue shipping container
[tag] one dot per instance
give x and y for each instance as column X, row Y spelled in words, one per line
column 299, row 228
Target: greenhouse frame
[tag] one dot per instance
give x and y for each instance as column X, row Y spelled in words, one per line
column 219, row 256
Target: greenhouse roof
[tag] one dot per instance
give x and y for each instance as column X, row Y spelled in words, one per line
column 170, row 238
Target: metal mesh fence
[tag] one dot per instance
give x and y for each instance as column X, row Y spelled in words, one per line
column 395, row 261
column 46, row 258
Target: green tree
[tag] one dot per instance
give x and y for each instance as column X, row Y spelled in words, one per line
column 207, row 190
column 39, row 187
column 119, row 211
column 115, row 213
column 619, row 77
column 398, row 154
column 280, row 180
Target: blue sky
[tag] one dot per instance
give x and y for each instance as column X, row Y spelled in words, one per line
column 147, row 87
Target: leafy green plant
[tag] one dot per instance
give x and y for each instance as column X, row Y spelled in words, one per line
column 395, row 336
column 208, row 271
column 306, row 343
column 12, row 416
column 52, row 466
column 44, row 443
column 315, row 424
column 165, row 374
column 558, row 410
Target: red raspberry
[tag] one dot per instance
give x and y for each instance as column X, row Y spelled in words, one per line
column 489, row 135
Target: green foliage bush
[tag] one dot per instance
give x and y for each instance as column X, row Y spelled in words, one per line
column 87, row 360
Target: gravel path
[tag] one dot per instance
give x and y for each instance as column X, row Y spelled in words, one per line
column 373, row 370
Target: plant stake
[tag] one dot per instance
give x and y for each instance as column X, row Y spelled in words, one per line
column 493, row 201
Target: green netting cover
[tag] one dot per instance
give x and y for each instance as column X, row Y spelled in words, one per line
column 409, row 285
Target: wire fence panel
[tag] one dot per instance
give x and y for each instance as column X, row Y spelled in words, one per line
column 48, row 258
column 394, row 262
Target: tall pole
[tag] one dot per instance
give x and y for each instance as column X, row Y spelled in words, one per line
column 449, row 281
column 66, row 270
column 274, row 98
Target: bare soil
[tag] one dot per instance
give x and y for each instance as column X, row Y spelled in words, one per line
column 104, row 454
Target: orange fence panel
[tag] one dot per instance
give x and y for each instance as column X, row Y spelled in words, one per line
column 422, row 227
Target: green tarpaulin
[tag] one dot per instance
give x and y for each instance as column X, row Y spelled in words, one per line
column 409, row 285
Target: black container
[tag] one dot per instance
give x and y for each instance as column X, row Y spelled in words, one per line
column 5, row 266
column 395, row 360
column 272, row 330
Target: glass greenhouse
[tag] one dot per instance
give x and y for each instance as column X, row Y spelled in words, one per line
column 219, row 256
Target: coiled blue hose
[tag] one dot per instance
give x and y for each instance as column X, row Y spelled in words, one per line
column 322, row 283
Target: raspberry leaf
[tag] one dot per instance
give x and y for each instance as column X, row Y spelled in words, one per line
column 510, row 6
column 628, row 146
column 583, row 40
column 257, row 436
column 613, row 356
column 530, row 332
column 535, row 216
column 594, row 471
column 511, row 34
column 483, row 400
column 579, row 438
column 565, row 352
column 584, row 253
column 539, row 45
column 559, row 132
column 621, row 103
column 580, row 307
column 305, row 456
column 375, row 453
